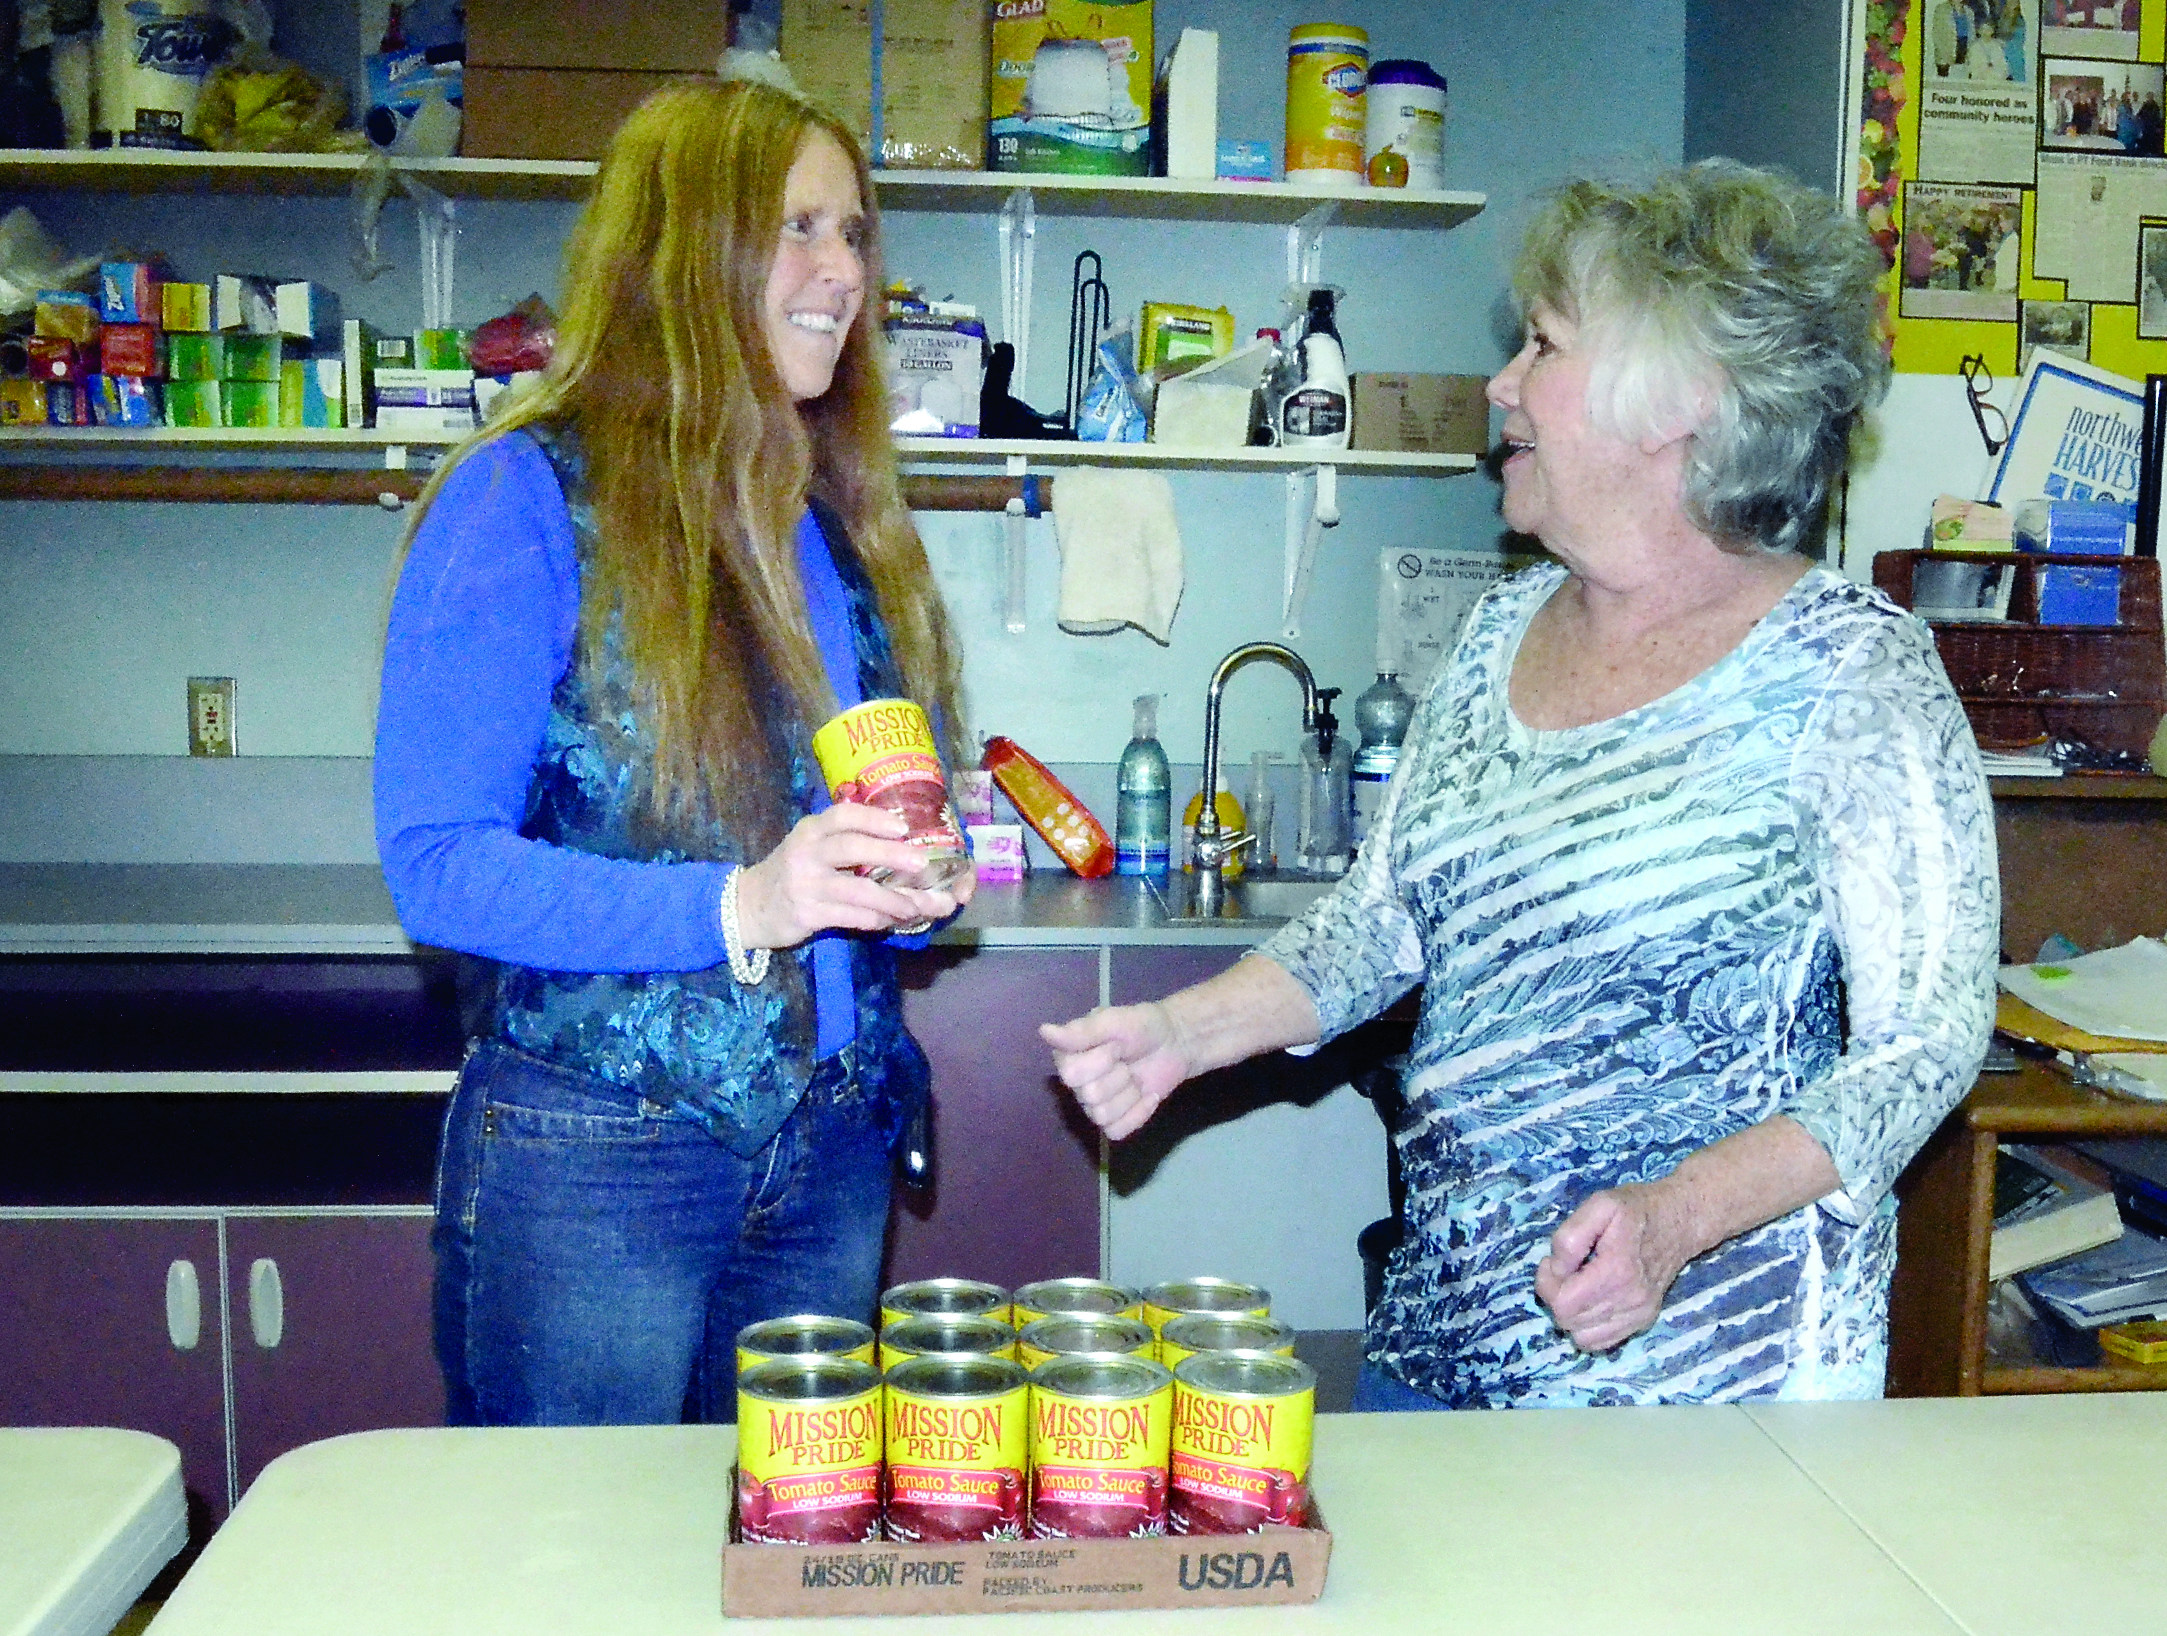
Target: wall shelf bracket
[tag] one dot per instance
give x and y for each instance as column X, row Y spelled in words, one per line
column 1312, row 507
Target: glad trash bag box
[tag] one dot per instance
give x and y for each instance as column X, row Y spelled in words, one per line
column 1069, row 89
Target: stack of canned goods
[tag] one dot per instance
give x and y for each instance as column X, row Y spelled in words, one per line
column 1072, row 1409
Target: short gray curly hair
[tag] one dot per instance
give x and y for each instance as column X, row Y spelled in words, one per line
column 1733, row 303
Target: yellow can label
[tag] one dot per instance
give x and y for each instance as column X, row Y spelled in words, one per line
column 1159, row 1317
column 1239, row 1462
column 956, row 1468
column 1172, row 1352
column 809, row 1473
column 748, row 1356
column 1098, row 1468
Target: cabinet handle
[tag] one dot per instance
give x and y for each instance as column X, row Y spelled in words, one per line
column 266, row 1302
column 184, row 1306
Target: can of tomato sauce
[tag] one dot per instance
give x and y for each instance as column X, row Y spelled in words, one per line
column 1066, row 1334
column 1067, row 1296
column 948, row 1333
column 1240, row 1457
column 958, row 1434
column 808, row 1452
column 1207, row 1295
column 927, row 1297
column 804, row 1335
column 1100, row 1430
column 1195, row 1332
column 882, row 753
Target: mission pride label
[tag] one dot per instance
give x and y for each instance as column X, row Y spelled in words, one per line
column 808, row 1452
column 956, row 1445
column 1100, row 1433
column 1241, row 1445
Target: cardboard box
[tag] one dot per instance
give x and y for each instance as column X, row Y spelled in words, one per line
column 194, row 357
column 655, row 36
column 1421, row 414
column 549, row 113
column 2073, row 594
column 1278, row 1566
column 933, row 75
column 185, row 307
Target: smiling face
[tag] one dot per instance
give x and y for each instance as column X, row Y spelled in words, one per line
column 1565, row 479
column 816, row 283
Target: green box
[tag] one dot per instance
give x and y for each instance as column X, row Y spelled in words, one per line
column 191, row 357
column 194, row 403
column 250, row 403
column 253, row 358
column 439, row 349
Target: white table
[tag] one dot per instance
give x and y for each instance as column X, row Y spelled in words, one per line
column 1984, row 1517
column 87, row 1518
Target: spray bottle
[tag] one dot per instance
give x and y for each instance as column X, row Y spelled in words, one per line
column 1312, row 411
column 1143, row 797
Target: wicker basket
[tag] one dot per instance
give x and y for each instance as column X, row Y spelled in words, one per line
column 2023, row 683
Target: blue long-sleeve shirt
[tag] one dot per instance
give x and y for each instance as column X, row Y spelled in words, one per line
column 484, row 625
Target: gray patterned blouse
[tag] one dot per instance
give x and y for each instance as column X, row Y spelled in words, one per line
column 1772, row 891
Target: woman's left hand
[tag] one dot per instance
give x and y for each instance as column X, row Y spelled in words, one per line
column 1611, row 1263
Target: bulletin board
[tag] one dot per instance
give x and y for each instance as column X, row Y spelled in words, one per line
column 2010, row 163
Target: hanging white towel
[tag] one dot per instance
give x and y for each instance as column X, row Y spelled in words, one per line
column 1120, row 551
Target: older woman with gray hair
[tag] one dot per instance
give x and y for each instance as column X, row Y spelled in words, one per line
column 1689, row 850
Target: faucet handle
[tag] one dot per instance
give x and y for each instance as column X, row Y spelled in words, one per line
column 1213, row 851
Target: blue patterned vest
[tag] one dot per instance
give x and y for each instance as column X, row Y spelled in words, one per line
column 732, row 1058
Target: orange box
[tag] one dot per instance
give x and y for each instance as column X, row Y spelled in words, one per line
column 549, row 113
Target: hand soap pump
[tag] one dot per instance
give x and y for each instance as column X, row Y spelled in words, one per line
column 1143, row 797
column 1380, row 718
column 1325, row 842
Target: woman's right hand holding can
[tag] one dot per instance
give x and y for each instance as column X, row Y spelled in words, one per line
column 810, row 883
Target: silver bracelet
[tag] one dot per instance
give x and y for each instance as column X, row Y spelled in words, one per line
column 748, row 966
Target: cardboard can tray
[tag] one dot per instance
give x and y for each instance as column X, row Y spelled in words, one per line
column 1277, row 1566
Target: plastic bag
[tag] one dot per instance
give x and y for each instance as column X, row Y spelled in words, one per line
column 32, row 260
column 258, row 103
column 520, row 340
column 1112, row 408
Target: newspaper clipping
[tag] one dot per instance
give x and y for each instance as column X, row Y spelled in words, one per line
column 1962, row 252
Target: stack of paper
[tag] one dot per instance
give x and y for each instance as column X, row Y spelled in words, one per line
column 2120, row 992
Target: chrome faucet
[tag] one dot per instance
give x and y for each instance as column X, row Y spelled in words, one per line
column 1213, row 847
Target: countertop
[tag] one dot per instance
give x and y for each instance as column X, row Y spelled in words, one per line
column 274, row 909
column 1942, row 1517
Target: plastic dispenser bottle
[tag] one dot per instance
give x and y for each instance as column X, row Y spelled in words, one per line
column 1258, row 802
column 1143, row 797
column 1326, row 843
column 1313, row 410
column 1380, row 719
column 1231, row 820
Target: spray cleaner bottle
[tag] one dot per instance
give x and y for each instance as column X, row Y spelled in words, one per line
column 1313, row 411
column 1143, row 797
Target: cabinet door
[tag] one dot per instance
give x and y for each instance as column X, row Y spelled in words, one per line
column 331, row 1331
column 1015, row 1194
column 85, row 1338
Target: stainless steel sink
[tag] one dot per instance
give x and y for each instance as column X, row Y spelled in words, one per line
column 1269, row 900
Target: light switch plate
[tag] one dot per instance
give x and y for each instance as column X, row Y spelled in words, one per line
column 210, row 716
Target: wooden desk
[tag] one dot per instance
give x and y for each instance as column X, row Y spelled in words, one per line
column 1937, row 1305
column 88, row 1515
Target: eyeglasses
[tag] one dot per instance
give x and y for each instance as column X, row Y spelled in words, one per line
column 1978, row 381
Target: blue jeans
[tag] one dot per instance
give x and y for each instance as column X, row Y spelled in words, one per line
column 597, row 1254
column 1376, row 1392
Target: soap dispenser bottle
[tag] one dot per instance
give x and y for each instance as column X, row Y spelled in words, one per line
column 1143, row 799
column 1325, row 842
